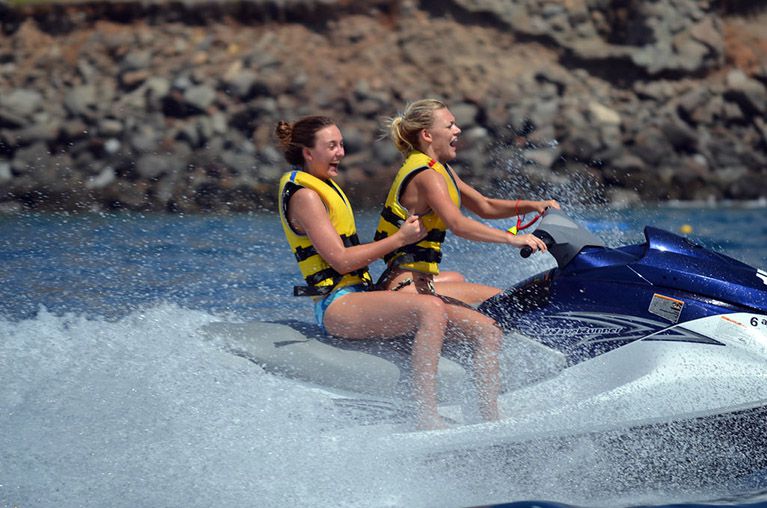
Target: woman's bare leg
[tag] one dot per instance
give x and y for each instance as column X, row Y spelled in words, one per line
column 454, row 284
column 468, row 292
column 468, row 324
column 449, row 277
column 387, row 314
column 450, row 284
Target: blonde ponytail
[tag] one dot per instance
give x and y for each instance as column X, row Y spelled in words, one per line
column 405, row 129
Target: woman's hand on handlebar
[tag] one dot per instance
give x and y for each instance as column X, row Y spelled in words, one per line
column 528, row 240
column 541, row 206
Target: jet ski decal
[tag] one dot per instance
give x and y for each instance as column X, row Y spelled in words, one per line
column 666, row 307
column 591, row 334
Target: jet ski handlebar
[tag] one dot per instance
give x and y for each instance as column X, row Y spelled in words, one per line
column 544, row 236
column 563, row 237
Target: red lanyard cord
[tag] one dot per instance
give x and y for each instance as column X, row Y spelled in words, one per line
column 519, row 227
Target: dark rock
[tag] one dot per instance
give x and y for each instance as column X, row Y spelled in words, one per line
column 681, row 136
column 652, row 146
column 81, row 101
column 241, row 83
column 20, row 103
column 45, row 132
column 136, row 60
column 152, row 167
column 10, row 119
column 200, row 97
column 240, row 163
column 465, row 114
column 28, row 158
column 105, row 178
column 749, row 93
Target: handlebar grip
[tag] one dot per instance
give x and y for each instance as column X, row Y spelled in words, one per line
column 526, row 251
column 547, row 239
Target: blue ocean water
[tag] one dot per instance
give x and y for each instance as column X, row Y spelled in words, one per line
column 109, row 397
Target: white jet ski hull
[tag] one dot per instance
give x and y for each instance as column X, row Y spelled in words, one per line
column 656, row 377
column 368, row 368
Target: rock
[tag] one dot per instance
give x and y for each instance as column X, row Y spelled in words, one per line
column 695, row 105
column 354, row 139
column 603, row 115
column 465, row 114
column 157, row 87
column 709, row 32
column 749, row 186
column 112, row 146
column 652, row 146
column 241, row 83
column 135, row 60
column 474, row 138
column 102, row 180
column 21, row 103
column 749, row 93
column 623, row 198
column 762, row 126
column 45, row 132
column 239, row 163
column 110, row 127
column 144, row 139
column 678, row 133
column 131, row 79
column 544, row 157
column 10, row 119
column 26, row 159
column 691, row 53
column 81, row 101
column 385, row 154
column 150, row 167
column 5, row 172
column 199, row 97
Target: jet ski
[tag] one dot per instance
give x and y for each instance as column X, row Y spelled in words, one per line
column 660, row 345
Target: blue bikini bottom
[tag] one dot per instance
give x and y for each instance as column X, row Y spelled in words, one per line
column 320, row 306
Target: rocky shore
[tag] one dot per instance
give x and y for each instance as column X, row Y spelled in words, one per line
column 171, row 106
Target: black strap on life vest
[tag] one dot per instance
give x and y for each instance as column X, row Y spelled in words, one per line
column 413, row 254
column 304, row 253
column 435, row 235
column 392, row 218
column 311, row 289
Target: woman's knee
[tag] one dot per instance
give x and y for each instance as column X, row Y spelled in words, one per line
column 487, row 335
column 431, row 308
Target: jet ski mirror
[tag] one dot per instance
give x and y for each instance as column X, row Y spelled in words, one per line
column 563, row 237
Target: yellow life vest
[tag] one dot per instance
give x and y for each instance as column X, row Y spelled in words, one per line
column 319, row 275
column 425, row 255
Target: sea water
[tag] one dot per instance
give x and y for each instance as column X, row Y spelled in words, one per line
column 109, row 396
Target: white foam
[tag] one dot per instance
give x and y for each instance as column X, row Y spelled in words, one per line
column 143, row 411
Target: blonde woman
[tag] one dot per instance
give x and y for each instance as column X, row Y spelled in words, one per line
column 426, row 134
